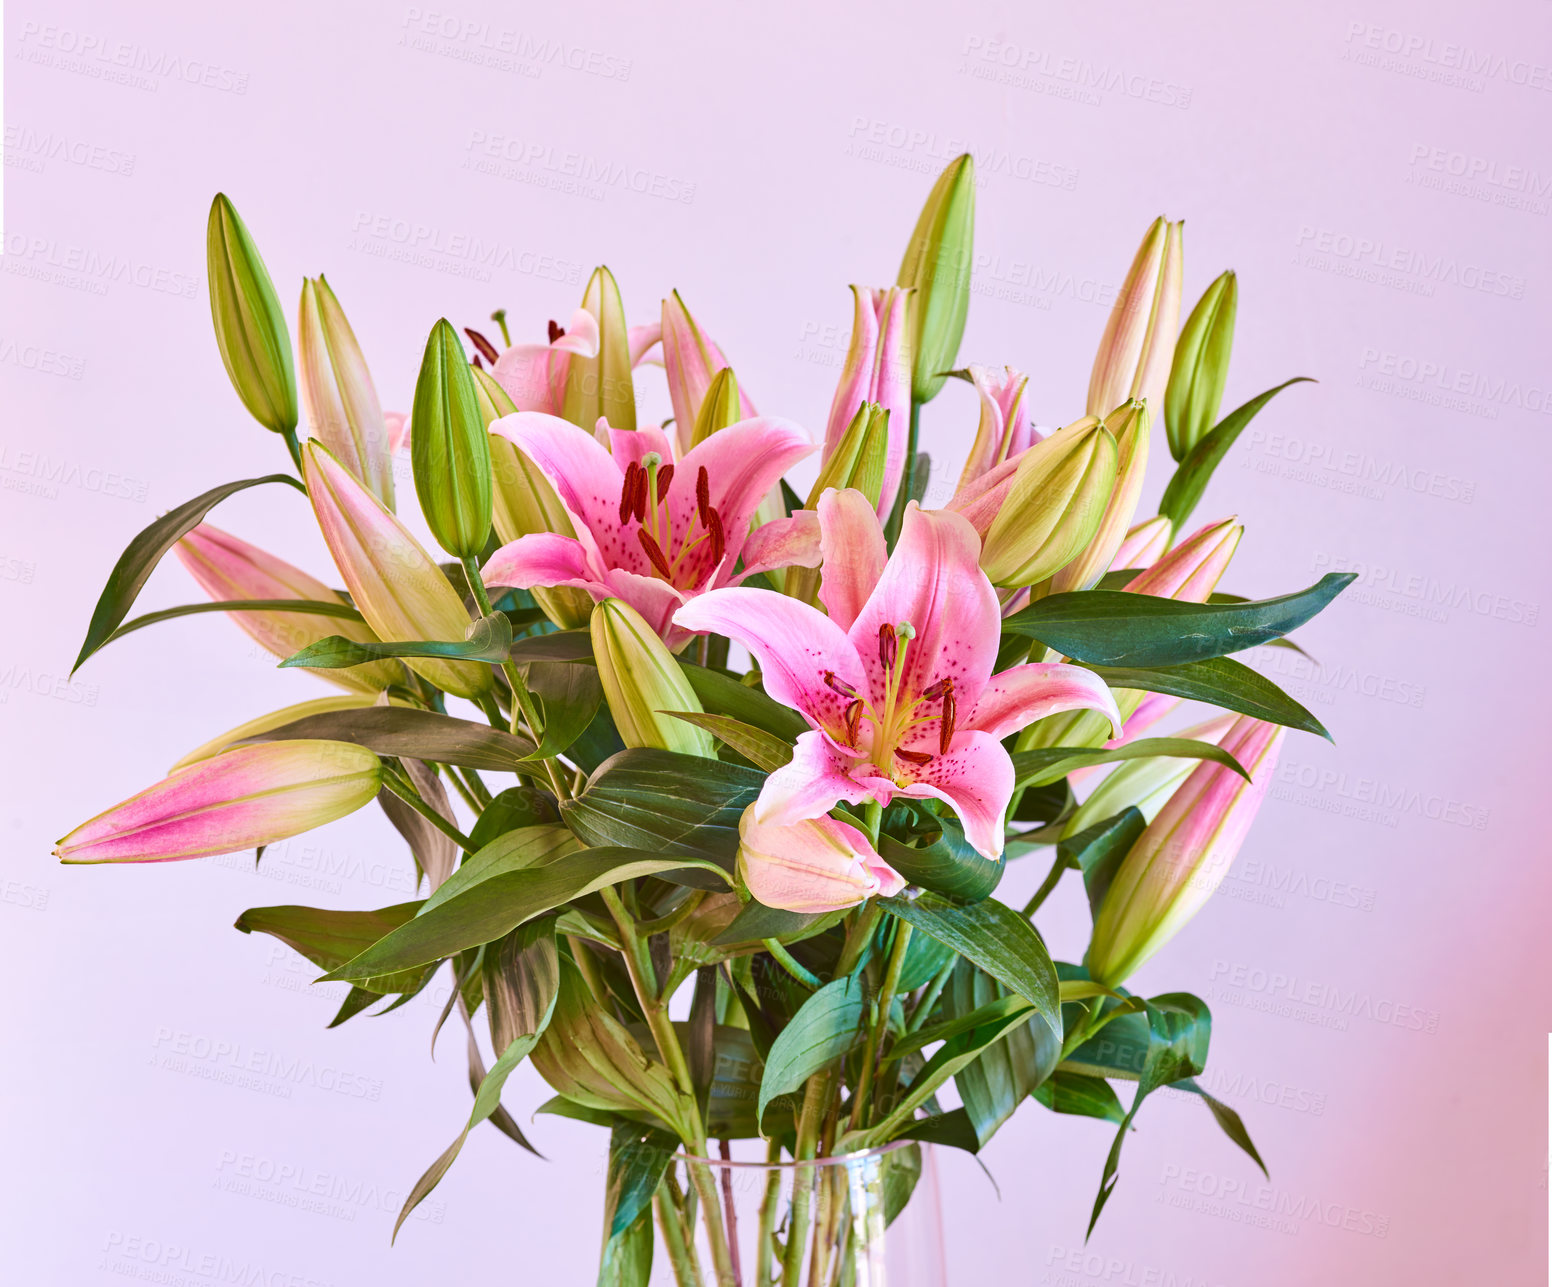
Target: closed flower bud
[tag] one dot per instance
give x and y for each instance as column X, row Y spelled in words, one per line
column 250, row 328
column 1200, row 366
column 722, row 406
column 337, row 391
column 1144, row 784
column 857, row 458
column 1144, row 544
column 822, row 865
column 937, row 262
column 641, row 680
column 1053, row 506
column 877, row 370
column 691, row 360
column 243, row 798
column 1181, row 859
column 228, row 568
column 600, row 384
column 1139, row 342
column 397, row 586
column 1129, row 424
column 449, row 447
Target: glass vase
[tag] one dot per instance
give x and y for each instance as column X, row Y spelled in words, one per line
column 870, row 1219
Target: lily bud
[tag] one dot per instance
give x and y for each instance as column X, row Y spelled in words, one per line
column 246, row 797
column 397, row 586
column 1183, row 856
column 449, row 448
column 822, row 865
column 1144, row 544
column 1053, row 505
column 857, row 458
column 641, row 680
column 937, row 262
column 337, row 391
column 691, row 359
column 722, row 406
column 250, row 328
column 878, row 370
column 1006, row 427
column 228, row 568
column 275, row 719
column 1201, row 365
column 600, row 384
column 1144, row 784
column 1191, row 571
column 1139, row 341
column 1129, row 423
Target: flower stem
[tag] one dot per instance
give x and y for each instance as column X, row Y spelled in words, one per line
column 411, row 797
column 765, row 1247
column 1046, row 886
column 295, row 448
column 522, row 698
column 929, row 998
column 803, row 1177
column 886, row 998
column 685, row 1273
column 791, row 964
column 907, row 478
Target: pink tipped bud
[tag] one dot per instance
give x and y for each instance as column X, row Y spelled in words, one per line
column 822, row 865
column 1139, row 342
column 691, row 358
column 877, row 370
column 1144, row 544
column 1190, row 572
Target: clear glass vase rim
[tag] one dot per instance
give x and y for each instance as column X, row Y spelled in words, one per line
column 836, row 1159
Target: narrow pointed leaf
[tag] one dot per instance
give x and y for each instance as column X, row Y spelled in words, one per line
column 403, row 730
column 1221, row 681
column 823, row 1030
column 1050, row 764
column 763, row 750
column 490, row 639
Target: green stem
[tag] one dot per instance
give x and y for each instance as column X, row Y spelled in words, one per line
column 930, row 997
column 857, row 938
column 463, row 791
column 873, row 819
column 765, row 1245
column 520, row 693
column 1088, row 1026
column 1052, row 878
column 908, row 478
column 685, row 1274
column 886, row 998
column 411, row 797
column 791, row 964
column 803, row 1177
column 294, row 447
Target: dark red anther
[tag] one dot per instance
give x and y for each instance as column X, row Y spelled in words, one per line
column 703, row 496
column 477, row 365
column 853, row 720
column 556, row 330
column 654, row 553
column 914, row 757
column 888, row 646
column 718, row 536
column 481, row 343
column 665, row 475
column 937, row 690
column 639, row 495
column 839, row 685
column 946, row 723
column 626, row 492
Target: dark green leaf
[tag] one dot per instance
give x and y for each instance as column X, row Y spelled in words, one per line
column 997, row 939
column 820, row 1033
column 1228, row 1120
column 557, row 645
column 1117, row 628
column 570, row 696
column 902, row 1168
column 488, row 639
column 756, row 921
column 1050, row 764
column 329, row 938
column 1000, row 1007
column 307, row 607
column 405, row 731
column 1191, row 478
column 638, row 1159
column 993, row 1086
column 924, row 959
column 722, row 695
column 952, row 1128
column 143, row 553
column 491, row 908
column 937, row 855
column 1097, row 851
column 1069, row 1092
column 763, row 750
column 515, row 807
column 1221, row 681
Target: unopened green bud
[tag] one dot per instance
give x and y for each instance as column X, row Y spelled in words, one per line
column 859, row 457
column 337, row 390
column 602, row 385
column 449, row 447
column 1054, row 505
column 1201, row 366
column 250, row 328
column 722, row 406
column 641, row 680
column 937, row 263
column 1129, row 425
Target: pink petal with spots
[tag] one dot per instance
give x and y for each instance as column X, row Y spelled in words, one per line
column 933, row 580
column 545, row 559
column 812, row 783
column 655, row 599
column 975, row 779
column 742, row 462
column 1023, row 694
column 585, row 477
column 783, row 543
column 794, row 644
column 852, row 543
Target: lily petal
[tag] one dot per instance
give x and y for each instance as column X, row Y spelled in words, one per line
column 742, row 463
column 852, row 543
column 812, row 783
column 584, row 475
column 545, row 559
column 975, row 779
column 1023, row 694
column 792, row 542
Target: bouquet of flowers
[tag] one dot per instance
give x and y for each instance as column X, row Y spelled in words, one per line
column 711, row 782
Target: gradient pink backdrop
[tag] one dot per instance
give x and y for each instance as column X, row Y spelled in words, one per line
column 1379, row 176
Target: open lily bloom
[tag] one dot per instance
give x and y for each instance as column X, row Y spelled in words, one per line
column 534, row 375
column 897, row 680
column 650, row 530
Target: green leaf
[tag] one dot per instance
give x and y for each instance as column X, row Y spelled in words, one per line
column 755, row 921
column 141, row 556
column 1069, row 1092
column 823, row 1030
column 952, row 1129
column 627, row 1260
column 491, row 908
column 1196, row 470
column 406, row 731
column 1221, row 681
column 1098, row 851
column 575, row 646
column 937, row 856
column 902, row 1168
column 925, row 959
column 516, row 850
column 329, row 938
column 1231, row 1123
column 993, row 1086
column 570, row 696
column 638, row 1159
column 518, row 806
column 655, row 800
column 999, row 1008
column 307, row 607
column 488, row 639
column 1051, row 764
column 763, row 750
column 1118, row 628
column 723, row 695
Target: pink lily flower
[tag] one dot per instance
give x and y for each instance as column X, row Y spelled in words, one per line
column 534, row 375
column 821, row 865
column 897, row 680
column 877, row 369
column 1007, row 427
column 651, row 530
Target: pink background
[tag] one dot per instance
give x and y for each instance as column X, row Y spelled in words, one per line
column 1380, row 178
